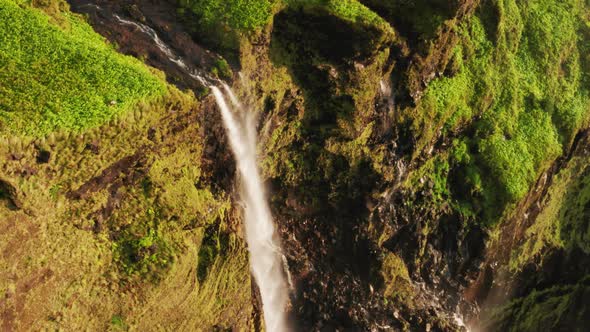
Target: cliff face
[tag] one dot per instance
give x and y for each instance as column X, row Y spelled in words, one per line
column 426, row 163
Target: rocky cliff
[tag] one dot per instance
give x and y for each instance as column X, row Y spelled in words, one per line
column 427, row 163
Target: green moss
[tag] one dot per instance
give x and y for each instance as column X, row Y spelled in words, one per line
column 63, row 77
column 519, row 76
column 130, row 243
column 324, row 147
column 350, row 10
column 214, row 245
column 563, row 222
column 515, row 160
column 118, row 323
column 418, row 19
column 242, row 15
column 176, row 184
column 221, row 69
column 575, row 214
column 142, row 251
column 560, row 308
column 433, row 176
column 396, row 279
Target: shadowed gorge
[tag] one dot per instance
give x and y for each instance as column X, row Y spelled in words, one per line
column 294, row 165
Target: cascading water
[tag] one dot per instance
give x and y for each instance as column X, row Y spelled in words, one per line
column 268, row 265
column 265, row 256
column 163, row 47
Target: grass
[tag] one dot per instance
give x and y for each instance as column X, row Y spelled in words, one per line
column 130, row 246
column 141, row 262
column 397, row 280
column 521, row 78
column 223, row 24
column 418, row 17
column 63, row 76
column 250, row 15
column 349, row 10
column 221, row 69
column 242, row 15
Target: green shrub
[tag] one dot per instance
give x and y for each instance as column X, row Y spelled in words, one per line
column 241, row 15
column 221, row 69
column 118, row 323
column 142, row 252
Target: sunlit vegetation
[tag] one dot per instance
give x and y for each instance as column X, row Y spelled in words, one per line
column 479, row 133
column 520, row 77
column 113, row 191
column 63, row 76
column 563, row 223
column 242, row 15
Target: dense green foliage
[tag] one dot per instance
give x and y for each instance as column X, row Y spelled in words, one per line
column 249, row 15
column 144, row 255
column 66, row 76
column 221, row 23
column 350, row 10
column 244, row 15
column 509, row 102
column 520, row 76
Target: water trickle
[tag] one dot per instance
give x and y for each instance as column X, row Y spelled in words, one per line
column 459, row 321
column 173, row 57
column 387, row 92
column 265, row 255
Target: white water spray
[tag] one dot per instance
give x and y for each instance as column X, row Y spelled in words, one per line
column 265, row 255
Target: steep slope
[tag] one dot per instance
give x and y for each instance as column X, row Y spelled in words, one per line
column 112, row 216
column 427, row 164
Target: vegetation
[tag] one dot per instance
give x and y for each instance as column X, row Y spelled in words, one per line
column 104, row 204
column 418, row 19
column 520, row 77
column 112, row 188
column 143, row 255
column 241, row 15
column 56, row 77
column 221, row 69
column 250, row 15
column 563, row 223
column 397, row 281
column 560, row 307
column 350, row 10
column 222, row 23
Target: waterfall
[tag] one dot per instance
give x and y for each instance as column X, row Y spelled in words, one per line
column 268, row 265
column 263, row 244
